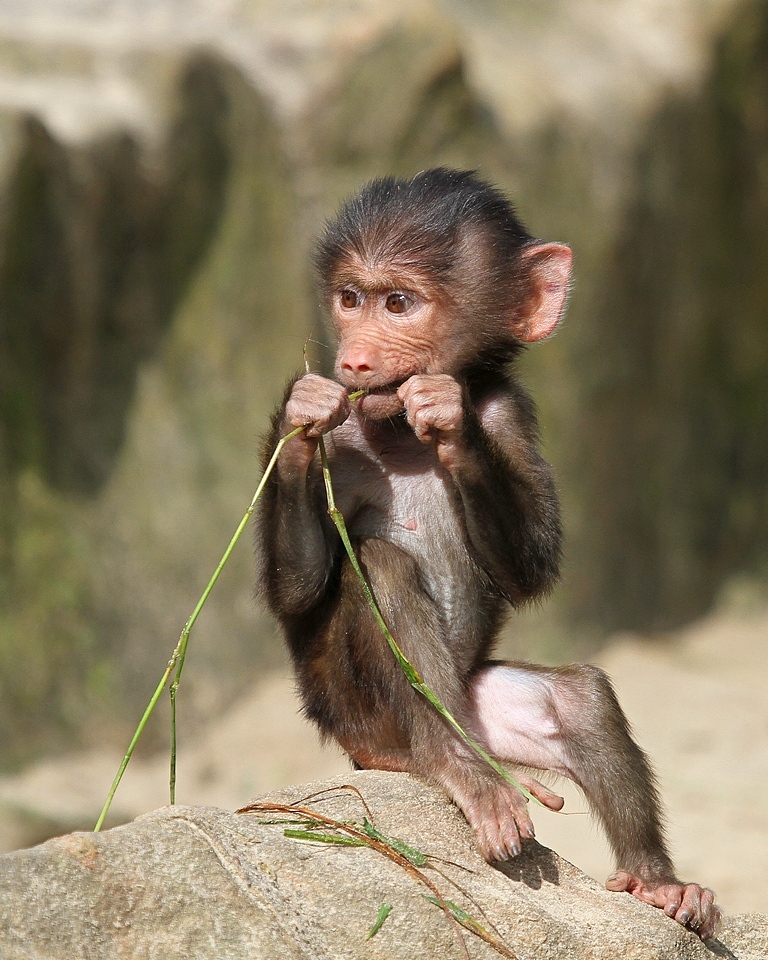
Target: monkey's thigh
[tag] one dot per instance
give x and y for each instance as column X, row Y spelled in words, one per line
column 376, row 713
column 411, row 615
column 516, row 715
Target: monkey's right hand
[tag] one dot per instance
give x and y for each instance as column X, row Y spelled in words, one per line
column 317, row 404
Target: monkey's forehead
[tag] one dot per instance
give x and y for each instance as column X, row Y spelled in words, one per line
column 380, row 275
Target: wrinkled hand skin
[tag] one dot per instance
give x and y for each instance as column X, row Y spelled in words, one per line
column 688, row 903
column 501, row 822
column 319, row 405
column 435, row 410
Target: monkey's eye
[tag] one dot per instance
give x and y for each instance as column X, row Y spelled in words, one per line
column 348, row 299
column 398, row 303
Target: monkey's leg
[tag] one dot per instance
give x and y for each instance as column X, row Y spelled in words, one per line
column 568, row 720
column 495, row 809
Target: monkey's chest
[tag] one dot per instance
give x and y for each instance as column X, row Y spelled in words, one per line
column 406, row 498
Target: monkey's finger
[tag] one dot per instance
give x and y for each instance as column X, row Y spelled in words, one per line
column 421, row 426
column 430, row 429
column 510, row 835
column 504, row 842
column 704, row 909
column 670, row 902
column 424, row 424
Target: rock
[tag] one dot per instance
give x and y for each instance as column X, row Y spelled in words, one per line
column 206, row 883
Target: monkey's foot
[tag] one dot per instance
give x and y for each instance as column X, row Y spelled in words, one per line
column 499, row 816
column 691, row 905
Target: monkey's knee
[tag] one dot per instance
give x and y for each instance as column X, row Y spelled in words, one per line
column 597, row 730
column 586, row 678
column 586, row 697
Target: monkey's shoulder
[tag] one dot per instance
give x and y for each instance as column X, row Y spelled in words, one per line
column 506, row 405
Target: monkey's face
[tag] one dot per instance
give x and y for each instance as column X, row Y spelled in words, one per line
column 390, row 328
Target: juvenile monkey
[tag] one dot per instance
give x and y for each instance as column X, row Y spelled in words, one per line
column 433, row 287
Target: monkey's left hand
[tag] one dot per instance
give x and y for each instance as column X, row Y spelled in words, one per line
column 434, row 407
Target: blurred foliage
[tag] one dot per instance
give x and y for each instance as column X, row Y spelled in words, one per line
column 675, row 412
column 50, row 671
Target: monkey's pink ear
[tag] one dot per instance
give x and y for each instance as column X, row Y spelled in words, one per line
column 549, row 270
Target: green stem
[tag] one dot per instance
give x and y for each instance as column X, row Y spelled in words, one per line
column 180, row 652
column 173, row 690
column 131, row 747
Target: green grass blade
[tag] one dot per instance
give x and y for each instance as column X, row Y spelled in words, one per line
column 384, row 911
column 414, row 856
column 316, row 837
column 177, row 659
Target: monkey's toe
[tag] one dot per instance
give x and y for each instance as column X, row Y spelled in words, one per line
column 501, row 823
column 689, row 904
column 542, row 793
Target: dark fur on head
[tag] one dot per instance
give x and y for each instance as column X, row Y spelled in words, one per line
column 447, row 227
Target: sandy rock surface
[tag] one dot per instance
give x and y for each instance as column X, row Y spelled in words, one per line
column 697, row 701
column 203, row 882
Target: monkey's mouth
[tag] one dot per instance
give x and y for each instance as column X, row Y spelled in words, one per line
column 380, row 402
column 391, row 386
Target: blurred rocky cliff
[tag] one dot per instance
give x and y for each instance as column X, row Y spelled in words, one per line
column 163, row 167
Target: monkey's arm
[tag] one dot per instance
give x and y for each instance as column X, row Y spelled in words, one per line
column 507, row 491
column 298, row 545
column 510, row 504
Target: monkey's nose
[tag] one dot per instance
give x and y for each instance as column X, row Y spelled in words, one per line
column 358, row 366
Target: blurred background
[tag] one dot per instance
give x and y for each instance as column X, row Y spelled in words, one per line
column 164, row 165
